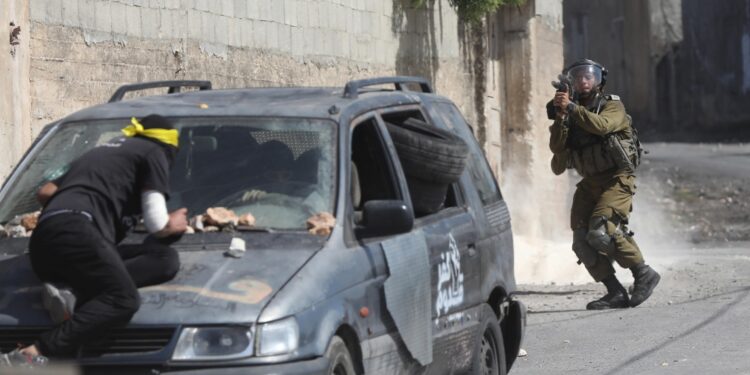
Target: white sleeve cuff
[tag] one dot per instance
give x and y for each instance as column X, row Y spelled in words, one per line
column 154, row 207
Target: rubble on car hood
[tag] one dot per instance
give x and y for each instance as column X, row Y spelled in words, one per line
column 20, row 226
column 218, row 219
column 209, row 288
column 321, row 224
column 215, row 219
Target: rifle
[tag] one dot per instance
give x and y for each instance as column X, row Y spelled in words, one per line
column 563, row 85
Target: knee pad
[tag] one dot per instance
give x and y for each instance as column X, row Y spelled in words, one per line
column 585, row 253
column 597, row 236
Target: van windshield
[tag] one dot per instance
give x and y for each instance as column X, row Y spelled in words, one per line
column 280, row 170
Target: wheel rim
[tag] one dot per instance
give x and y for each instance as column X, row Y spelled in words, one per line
column 489, row 365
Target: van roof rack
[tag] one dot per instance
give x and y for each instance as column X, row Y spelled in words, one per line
column 351, row 90
column 174, row 86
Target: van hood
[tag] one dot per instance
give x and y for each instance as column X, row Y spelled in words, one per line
column 210, row 287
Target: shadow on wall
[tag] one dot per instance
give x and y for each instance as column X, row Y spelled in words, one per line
column 472, row 38
column 420, row 31
column 701, row 85
column 417, row 38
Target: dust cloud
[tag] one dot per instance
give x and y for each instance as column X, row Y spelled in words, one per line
column 540, row 218
column 660, row 236
column 542, row 235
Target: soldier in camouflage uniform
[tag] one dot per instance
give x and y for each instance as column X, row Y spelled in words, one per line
column 592, row 133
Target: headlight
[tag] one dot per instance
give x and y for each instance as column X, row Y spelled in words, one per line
column 279, row 337
column 213, row 343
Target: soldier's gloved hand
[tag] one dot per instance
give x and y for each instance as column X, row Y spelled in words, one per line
column 253, row 195
column 562, row 99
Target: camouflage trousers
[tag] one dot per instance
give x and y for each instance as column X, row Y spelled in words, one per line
column 612, row 200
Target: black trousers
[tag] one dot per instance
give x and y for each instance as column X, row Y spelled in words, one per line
column 105, row 278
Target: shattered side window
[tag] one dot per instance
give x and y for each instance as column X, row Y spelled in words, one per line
column 479, row 169
column 279, row 170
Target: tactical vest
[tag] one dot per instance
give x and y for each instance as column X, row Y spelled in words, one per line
column 591, row 154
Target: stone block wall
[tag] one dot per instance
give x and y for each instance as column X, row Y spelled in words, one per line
column 79, row 51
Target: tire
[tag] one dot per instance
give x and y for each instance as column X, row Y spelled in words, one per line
column 426, row 197
column 489, row 348
column 340, row 361
column 429, row 153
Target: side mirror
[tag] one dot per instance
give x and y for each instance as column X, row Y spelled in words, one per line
column 386, row 217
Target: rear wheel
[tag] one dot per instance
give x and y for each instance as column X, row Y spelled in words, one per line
column 489, row 349
column 340, row 360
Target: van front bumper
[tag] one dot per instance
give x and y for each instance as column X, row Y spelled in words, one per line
column 312, row 366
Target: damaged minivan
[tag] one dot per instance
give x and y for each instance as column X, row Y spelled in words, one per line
column 344, row 230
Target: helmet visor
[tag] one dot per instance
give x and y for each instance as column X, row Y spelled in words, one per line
column 585, row 78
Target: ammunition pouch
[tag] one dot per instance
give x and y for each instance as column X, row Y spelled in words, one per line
column 592, row 159
column 623, row 150
column 591, row 154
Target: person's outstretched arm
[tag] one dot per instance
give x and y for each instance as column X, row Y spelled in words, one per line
column 156, row 218
column 46, row 192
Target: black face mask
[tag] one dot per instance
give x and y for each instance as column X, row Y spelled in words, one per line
column 169, row 151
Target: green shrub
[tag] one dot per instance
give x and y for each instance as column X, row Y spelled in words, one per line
column 474, row 10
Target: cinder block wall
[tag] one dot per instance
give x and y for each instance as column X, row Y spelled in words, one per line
column 80, row 51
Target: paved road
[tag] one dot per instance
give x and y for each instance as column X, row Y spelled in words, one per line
column 708, row 159
column 691, row 325
column 697, row 321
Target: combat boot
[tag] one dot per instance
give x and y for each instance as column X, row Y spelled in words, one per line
column 645, row 280
column 616, row 297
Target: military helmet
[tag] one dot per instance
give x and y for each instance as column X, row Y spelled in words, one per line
column 589, row 66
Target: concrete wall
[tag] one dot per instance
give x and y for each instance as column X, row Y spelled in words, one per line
column 78, row 52
column 526, row 57
column 15, row 131
column 681, row 66
column 607, row 31
column 615, row 34
column 712, row 66
column 526, row 53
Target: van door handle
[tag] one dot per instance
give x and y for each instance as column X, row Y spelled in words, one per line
column 472, row 250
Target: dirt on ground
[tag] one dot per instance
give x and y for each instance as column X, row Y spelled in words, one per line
column 703, row 208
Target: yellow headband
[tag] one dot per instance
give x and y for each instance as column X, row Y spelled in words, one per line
column 168, row 136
